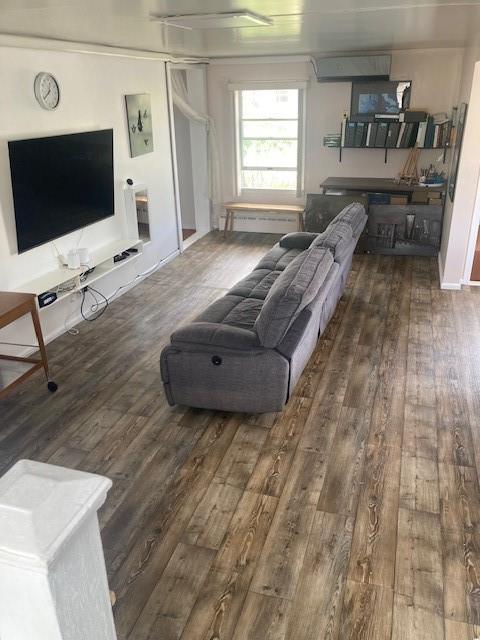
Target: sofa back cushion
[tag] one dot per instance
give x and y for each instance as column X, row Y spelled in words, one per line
column 353, row 215
column 278, row 258
column 338, row 239
column 292, row 291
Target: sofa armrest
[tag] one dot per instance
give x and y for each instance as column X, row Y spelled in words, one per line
column 216, row 335
column 298, row 240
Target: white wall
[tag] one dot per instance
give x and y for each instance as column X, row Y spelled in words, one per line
column 435, row 76
column 92, row 97
column 457, row 228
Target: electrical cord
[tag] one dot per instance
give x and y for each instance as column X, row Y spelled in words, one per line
column 73, row 331
column 95, row 308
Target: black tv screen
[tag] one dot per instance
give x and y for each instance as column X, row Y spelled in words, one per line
column 60, row 184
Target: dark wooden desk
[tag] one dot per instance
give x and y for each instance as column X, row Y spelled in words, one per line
column 376, row 185
column 12, row 307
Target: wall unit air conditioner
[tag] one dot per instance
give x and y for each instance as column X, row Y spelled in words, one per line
column 349, row 68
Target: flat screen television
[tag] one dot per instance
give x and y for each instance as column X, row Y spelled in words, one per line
column 382, row 98
column 60, row 184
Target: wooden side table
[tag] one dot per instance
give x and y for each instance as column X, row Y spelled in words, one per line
column 232, row 207
column 12, row 307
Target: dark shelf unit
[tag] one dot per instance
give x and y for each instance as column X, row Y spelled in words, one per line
column 387, row 149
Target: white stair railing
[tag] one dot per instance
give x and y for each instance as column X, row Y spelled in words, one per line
column 53, row 583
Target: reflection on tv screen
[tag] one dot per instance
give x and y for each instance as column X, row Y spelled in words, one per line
column 378, row 103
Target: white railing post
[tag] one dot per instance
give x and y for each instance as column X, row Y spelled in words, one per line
column 53, row 583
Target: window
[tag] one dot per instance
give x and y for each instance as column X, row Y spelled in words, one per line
column 269, row 139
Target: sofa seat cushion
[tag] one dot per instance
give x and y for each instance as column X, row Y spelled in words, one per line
column 214, row 334
column 236, row 311
column 278, row 258
column 292, row 291
column 337, row 238
column 354, row 216
column 256, row 285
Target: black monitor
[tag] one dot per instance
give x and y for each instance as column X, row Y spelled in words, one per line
column 381, row 98
column 60, row 184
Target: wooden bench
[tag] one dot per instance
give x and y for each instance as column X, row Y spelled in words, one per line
column 232, row 207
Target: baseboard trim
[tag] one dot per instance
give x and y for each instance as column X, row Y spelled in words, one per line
column 471, row 283
column 194, row 238
column 450, row 286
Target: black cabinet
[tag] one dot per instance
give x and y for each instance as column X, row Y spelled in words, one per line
column 412, row 229
column 403, row 219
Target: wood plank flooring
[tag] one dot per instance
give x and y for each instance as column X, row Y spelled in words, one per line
column 354, row 514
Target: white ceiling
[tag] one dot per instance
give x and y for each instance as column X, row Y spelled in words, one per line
column 300, row 26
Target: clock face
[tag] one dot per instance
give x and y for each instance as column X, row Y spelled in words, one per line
column 47, row 91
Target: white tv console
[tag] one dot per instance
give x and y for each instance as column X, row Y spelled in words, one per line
column 66, row 281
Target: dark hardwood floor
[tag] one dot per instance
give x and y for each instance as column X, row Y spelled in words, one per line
column 353, row 514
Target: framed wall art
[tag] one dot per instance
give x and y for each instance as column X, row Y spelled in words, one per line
column 139, row 118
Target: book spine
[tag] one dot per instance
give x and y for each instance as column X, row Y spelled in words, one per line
column 369, row 132
column 447, row 134
column 392, row 135
column 373, row 134
column 359, row 134
column 401, row 134
column 422, row 130
column 430, row 132
column 413, row 134
column 405, row 142
column 342, row 132
column 350, row 134
column 381, row 137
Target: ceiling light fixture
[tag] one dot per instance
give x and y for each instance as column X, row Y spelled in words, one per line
column 224, row 20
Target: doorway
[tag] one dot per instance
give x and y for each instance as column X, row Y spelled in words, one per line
column 190, row 157
column 183, row 149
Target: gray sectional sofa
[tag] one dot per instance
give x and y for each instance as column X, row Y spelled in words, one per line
column 247, row 350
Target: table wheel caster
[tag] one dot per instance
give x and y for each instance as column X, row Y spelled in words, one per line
column 52, row 386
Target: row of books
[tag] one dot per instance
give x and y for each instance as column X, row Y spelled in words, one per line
column 396, row 135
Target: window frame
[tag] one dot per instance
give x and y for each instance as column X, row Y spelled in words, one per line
column 300, row 139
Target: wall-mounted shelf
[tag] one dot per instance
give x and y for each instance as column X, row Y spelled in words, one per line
column 66, row 281
column 395, row 136
column 387, row 149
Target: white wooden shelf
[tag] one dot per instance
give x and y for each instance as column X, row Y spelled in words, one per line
column 100, row 259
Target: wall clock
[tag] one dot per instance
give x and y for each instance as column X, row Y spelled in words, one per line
column 47, row 91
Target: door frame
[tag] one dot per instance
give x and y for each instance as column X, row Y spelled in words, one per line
column 472, row 241
column 173, row 150
column 201, row 227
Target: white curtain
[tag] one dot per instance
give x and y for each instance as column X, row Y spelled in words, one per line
column 181, row 101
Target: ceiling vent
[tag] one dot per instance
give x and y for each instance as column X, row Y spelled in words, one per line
column 224, row 20
column 349, row 68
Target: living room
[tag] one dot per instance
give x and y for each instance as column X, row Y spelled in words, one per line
column 239, row 364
